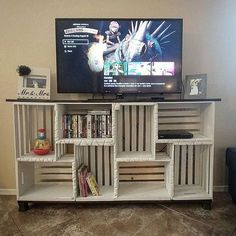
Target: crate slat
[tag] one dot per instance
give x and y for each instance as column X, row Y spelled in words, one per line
column 127, row 128
column 100, row 165
column 106, row 169
column 133, row 177
column 134, row 128
column 141, row 129
column 190, row 164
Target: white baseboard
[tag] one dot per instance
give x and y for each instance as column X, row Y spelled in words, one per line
column 7, row 191
column 221, row 188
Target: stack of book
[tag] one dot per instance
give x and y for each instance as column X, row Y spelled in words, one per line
column 86, row 182
column 90, row 124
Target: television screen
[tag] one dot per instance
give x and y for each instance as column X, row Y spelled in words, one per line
column 119, row 55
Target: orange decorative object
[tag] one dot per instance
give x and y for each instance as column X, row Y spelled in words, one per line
column 41, row 143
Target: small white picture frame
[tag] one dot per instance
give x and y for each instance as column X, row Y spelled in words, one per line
column 36, row 85
column 195, row 86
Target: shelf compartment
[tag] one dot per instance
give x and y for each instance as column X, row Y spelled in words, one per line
column 134, row 128
column 193, row 171
column 143, row 191
column 196, row 140
column 106, row 194
column 100, row 161
column 163, row 151
column 38, row 181
column 192, row 117
column 150, row 176
column 72, row 121
column 134, row 156
column 48, row 192
column 28, row 119
column 64, row 152
column 191, row 192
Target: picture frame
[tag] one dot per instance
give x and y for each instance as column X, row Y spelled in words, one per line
column 195, row 86
column 36, row 85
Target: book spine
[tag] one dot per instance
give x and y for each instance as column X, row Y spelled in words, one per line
column 89, row 128
column 74, row 126
column 103, row 126
column 95, row 185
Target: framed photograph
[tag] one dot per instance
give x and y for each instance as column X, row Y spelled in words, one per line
column 195, row 86
column 36, row 85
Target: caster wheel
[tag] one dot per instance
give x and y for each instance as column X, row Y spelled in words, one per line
column 23, row 206
column 207, row 204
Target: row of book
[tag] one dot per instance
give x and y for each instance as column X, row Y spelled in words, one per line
column 92, row 124
column 86, row 182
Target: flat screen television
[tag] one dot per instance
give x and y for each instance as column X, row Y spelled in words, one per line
column 119, row 56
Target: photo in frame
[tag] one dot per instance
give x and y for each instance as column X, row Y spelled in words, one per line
column 195, row 86
column 35, row 85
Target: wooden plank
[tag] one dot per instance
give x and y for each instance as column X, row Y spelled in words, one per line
column 197, row 165
column 179, row 126
column 99, row 166
column 179, row 120
column 111, row 164
column 190, row 164
column 148, row 129
column 48, row 124
column 127, row 128
column 24, row 130
column 176, row 113
column 56, row 176
column 119, row 122
column 141, row 170
column 52, row 165
column 86, row 155
column 141, row 177
column 16, row 129
column 134, row 128
column 56, row 170
column 176, row 164
column 34, row 122
column 21, row 132
column 183, row 164
column 92, row 160
column 141, row 128
column 106, row 166
column 141, row 163
column 169, row 106
column 40, row 117
column 28, row 127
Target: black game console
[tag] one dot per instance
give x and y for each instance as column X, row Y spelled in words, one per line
column 174, row 134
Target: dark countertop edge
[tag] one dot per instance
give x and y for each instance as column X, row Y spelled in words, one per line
column 114, row 100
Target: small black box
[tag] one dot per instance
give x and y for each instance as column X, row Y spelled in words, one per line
column 174, row 134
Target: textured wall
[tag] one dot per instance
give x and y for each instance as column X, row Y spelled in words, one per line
column 28, row 37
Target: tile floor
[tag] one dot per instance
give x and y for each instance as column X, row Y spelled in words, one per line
column 177, row 218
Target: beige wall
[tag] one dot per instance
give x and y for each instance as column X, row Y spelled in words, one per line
column 28, row 37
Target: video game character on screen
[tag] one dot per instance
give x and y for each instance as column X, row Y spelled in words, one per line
column 141, row 43
column 113, row 34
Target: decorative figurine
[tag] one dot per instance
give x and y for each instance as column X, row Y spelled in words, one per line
column 41, row 143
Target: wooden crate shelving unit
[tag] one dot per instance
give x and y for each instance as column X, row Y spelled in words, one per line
column 132, row 165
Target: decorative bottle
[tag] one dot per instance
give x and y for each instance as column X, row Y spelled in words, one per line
column 41, row 143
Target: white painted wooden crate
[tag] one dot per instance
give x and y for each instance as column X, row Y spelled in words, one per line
column 135, row 131
column 100, row 161
column 38, row 181
column 144, row 180
column 28, row 118
column 197, row 118
column 193, row 172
